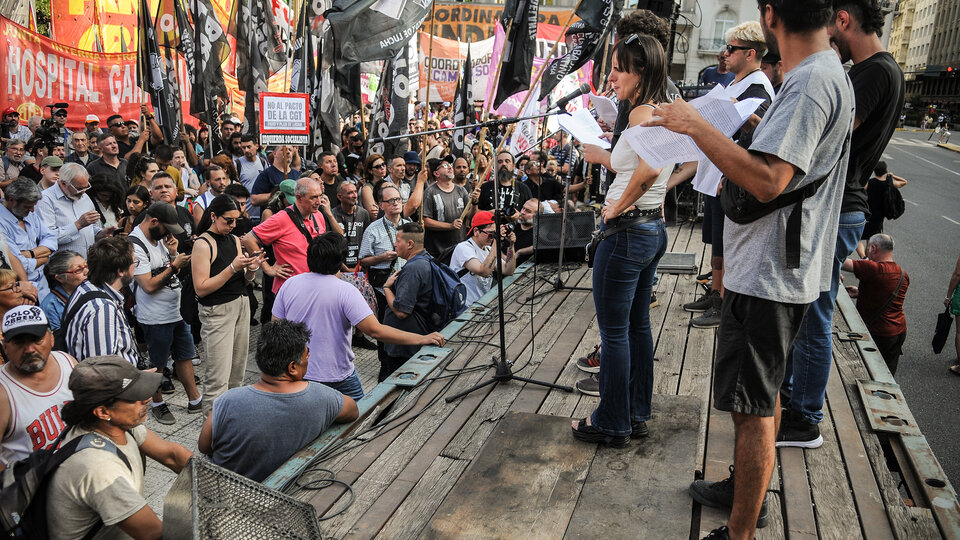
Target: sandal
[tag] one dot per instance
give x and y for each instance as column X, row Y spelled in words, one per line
column 587, row 433
column 955, row 369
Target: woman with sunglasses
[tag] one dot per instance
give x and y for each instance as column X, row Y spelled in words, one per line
column 221, row 271
column 65, row 271
column 626, row 259
column 375, row 170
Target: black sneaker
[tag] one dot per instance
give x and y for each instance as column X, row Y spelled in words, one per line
column 638, row 430
column 718, row 534
column 166, row 386
column 591, row 362
column 709, row 319
column 163, row 415
column 195, row 408
column 706, row 276
column 589, row 386
column 796, row 431
column 653, row 301
column 705, row 302
column 720, row 495
column 360, row 341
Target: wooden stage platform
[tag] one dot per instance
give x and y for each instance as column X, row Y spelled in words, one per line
column 501, row 463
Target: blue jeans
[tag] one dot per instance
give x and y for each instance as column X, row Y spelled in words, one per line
column 349, row 387
column 166, row 340
column 623, row 271
column 808, row 364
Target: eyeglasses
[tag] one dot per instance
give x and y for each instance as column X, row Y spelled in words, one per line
column 395, row 200
column 229, row 220
column 75, row 188
column 733, row 48
column 379, row 165
column 488, row 232
column 116, row 124
column 78, row 270
column 13, row 286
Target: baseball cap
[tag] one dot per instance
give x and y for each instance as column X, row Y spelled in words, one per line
column 770, row 58
column 411, row 157
column 99, row 379
column 24, row 320
column 10, row 110
column 288, row 187
column 167, row 215
column 92, row 118
column 59, row 112
column 480, row 219
column 52, row 161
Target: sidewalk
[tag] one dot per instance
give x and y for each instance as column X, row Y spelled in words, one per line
column 950, row 146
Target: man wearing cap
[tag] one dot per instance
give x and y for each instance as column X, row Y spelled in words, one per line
column 60, row 122
column 125, row 145
column 92, row 124
column 103, row 481
column 33, row 385
column 110, row 163
column 81, row 146
column 68, row 212
column 254, row 429
column 443, row 205
column 772, row 67
column 290, row 231
column 49, row 171
column 158, row 301
column 11, row 123
column 478, row 255
column 281, row 169
column 26, row 234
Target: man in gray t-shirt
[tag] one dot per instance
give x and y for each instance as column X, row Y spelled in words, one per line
column 254, row 429
column 804, row 136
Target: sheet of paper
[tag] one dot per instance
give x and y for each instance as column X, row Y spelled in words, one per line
column 707, row 179
column 606, row 109
column 659, row 147
column 581, row 125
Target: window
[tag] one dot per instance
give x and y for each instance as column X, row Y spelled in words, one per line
column 724, row 21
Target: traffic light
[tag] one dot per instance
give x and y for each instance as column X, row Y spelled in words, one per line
column 951, row 72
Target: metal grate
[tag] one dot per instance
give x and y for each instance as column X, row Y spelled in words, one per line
column 210, row 502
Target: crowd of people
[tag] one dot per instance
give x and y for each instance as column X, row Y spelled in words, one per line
column 120, row 251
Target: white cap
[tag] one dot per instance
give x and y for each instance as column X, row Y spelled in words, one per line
column 93, row 118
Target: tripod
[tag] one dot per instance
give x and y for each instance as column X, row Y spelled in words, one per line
column 558, row 284
column 503, row 372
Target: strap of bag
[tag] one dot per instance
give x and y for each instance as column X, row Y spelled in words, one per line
column 886, row 304
column 83, row 299
column 297, row 220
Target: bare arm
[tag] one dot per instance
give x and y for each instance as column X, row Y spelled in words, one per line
column 260, row 199
column 205, row 442
column 143, row 525
column 367, row 201
column 416, row 196
column 847, row 265
column 954, row 280
column 898, row 182
column 371, row 327
column 169, row 454
column 349, row 412
column 682, row 174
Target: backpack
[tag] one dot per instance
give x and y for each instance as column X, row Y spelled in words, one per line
column 893, row 206
column 60, row 335
column 449, row 296
column 23, row 499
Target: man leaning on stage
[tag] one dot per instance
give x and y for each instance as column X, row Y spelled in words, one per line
column 803, row 138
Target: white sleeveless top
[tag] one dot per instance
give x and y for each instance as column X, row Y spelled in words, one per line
column 625, row 161
column 34, row 417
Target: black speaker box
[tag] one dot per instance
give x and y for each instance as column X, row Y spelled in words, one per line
column 660, row 8
column 546, row 240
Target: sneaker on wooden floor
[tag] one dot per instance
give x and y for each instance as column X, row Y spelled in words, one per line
column 720, row 495
column 797, row 432
column 709, row 319
column 591, row 362
column 718, row 534
column 653, row 301
column 589, row 386
column 705, row 302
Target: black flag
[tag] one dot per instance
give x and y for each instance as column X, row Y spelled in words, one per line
column 517, row 56
column 463, row 113
column 260, row 52
column 152, row 78
column 391, row 107
column 209, row 49
column 367, row 30
column 304, row 80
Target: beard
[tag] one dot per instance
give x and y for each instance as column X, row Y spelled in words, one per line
column 156, row 233
column 32, row 363
column 126, row 278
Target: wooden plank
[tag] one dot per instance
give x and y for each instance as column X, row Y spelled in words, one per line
column 798, row 506
column 645, row 484
column 524, row 483
column 718, row 458
column 416, row 509
column 866, row 496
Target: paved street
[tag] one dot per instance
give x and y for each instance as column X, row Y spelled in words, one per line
column 927, row 243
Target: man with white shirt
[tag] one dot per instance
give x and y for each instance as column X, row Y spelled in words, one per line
column 217, row 181
column 744, row 51
column 478, row 256
column 249, row 166
column 68, row 211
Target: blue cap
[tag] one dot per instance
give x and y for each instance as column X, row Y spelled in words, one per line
column 411, row 157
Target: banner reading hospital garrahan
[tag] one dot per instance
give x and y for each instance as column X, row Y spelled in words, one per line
column 35, row 72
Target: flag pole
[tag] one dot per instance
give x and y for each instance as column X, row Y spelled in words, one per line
column 423, row 151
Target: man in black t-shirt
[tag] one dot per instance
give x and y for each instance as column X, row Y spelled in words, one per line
column 512, row 194
column 524, row 230
column 351, row 218
column 879, row 90
column 545, row 189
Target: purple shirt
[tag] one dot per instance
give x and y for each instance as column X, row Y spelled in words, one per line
column 330, row 308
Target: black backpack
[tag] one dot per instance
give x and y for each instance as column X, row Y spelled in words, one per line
column 60, row 334
column 23, row 499
column 449, row 296
column 893, row 206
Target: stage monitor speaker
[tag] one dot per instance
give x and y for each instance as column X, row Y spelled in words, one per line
column 660, row 8
column 546, row 232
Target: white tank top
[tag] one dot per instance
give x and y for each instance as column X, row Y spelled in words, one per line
column 624, row 161
column 34, row 417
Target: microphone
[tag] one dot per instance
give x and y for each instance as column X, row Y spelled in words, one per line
column 581, row 90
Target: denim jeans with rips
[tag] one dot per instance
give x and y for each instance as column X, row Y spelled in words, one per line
column 808, row 364
column 623, row 271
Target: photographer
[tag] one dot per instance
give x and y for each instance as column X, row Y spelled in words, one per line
column 60, row 132
column 478, row 255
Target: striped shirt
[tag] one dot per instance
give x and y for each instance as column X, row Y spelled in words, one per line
column 100, row 326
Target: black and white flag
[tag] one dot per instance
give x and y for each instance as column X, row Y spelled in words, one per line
column 367, row 30
column 261, row 51
column 205, row 52
column 391, row 111
column 152, row 77
column 584, row 38
column 520, row 17
column 463, row 112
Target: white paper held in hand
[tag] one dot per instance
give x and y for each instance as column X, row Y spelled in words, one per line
column 606, row 109
column 581, row 125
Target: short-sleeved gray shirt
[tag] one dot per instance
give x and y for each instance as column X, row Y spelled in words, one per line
column 808, row 125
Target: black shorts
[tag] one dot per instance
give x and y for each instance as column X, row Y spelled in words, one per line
column 713, row 225
column 753, row 341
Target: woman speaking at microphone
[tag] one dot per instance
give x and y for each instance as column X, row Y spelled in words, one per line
column 632, row 239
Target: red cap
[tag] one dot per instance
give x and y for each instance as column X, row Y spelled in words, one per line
column 480, row 219
column 10, row 110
